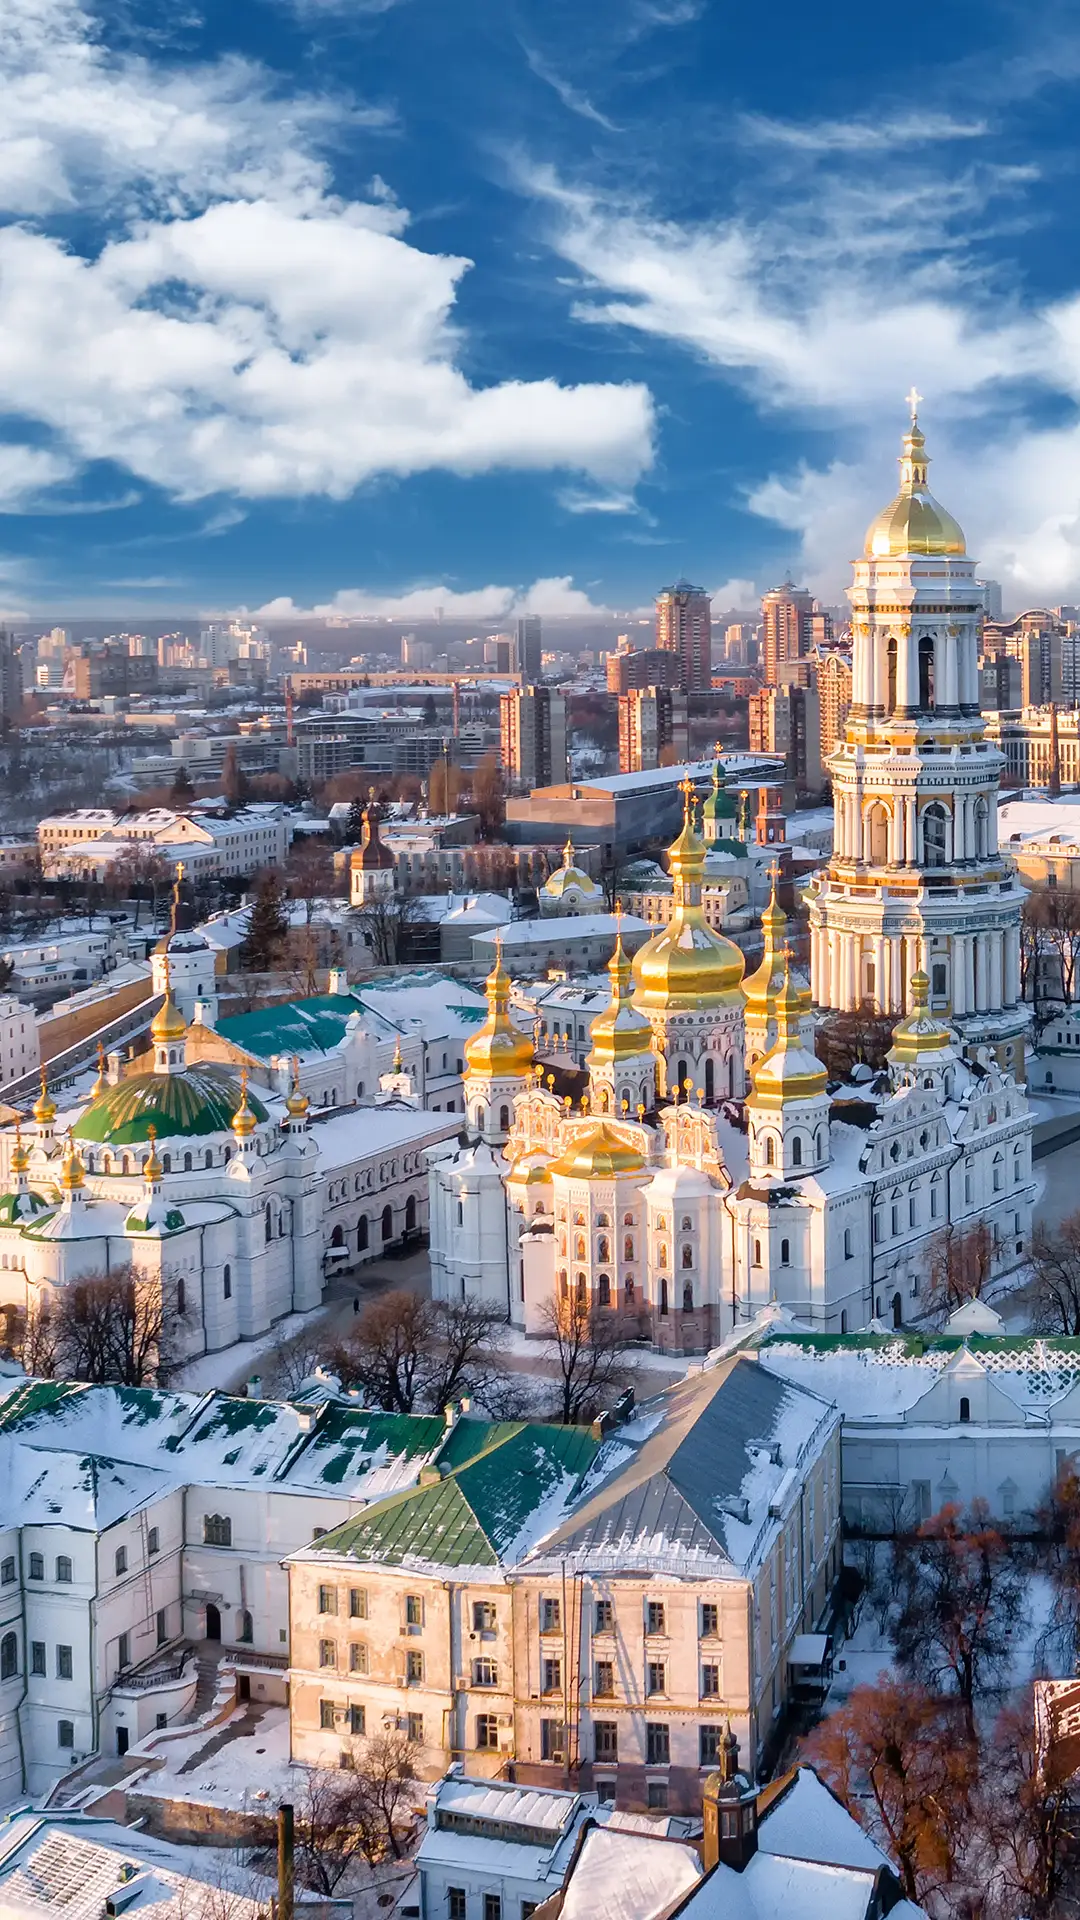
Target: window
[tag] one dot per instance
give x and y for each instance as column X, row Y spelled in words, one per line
column 162, row 1627
column 326, row 1715
column 606, row 1739
column 656, row 1676
column 604, row 1620
column 657, row 1744
column 226, row 1282
column 358, row 1657
column 710, row 1680
column 550, row 1614
column 327, row 1599
column 9, row 1657
column 757, row 1253
column 487, row 1730
column 604, row 1679
column 121, row 1559
column 551, row 1740
column 603, row 1291
column 64, row 1668
column 327, row 1653
column 785, row 1253
column 414, row 1669
column 796, row 1152
column 483, row 1616
column 357, row 1720
column 492, row 1906
column 65, row 1733
column 965, row 1408
column 7, row 1570
column 654, row 1616
column 37, row 1656
column 710, row 1619
column 414, row 1725
column 551, row 1675
column 63, row 1570
column 217, row 1530
column 414, row 1610
column 358, row 1603
column 455, row 1903
column 657, row 1795
column 485, row 1673
column 181, row 1294
column 708, row 1746
column 153, row 1541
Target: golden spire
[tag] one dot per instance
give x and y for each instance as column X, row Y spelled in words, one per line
column 168, row 1022
column 152, row 1167
column 619, row 1031
column 568, row 853
column 98, row 1087
column 765, row 981
column 71, row 1175
column 789, row 1071
column 914, row 522
column 920, row 1032
column 296, row 1105
column 44, row 1106
column 20, row 1159
column 397, row 1056
column 243, row 1120
column 499, row 1047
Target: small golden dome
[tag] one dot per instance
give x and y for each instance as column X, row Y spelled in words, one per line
column 920, row 1032
column 914, row 522
column 790, row 1070
column 44, row 1108
column 765, row 982
column 569, row 875
column 296, row 1105
column 686, row 964
column 20, row 1159
column 529, row 1172
column 499, row 1048
column 152, row 1167
column 619, row 1032
column 71, row 1174
column 243, row 1120
column 168, row 1022
column 599, row 1154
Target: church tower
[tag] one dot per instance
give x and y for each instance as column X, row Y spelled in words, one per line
column 498, row 1062
column 916, row 882
column 621, row 1062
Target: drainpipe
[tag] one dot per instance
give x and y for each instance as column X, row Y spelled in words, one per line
column 21, row 1702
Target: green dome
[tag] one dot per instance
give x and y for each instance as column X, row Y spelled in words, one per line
column 17, row 1208
column 193, row 1102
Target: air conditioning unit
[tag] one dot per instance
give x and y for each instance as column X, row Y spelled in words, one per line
column 462, row 1681
column 506, row 1740
column 506, row 1719
column 401, row 1680
column 559, row 1757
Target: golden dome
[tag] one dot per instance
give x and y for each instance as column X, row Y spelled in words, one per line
column 152, row 1167
column 620, row 1032
column 568, row 875
column 914, row 522
column 599, row 1154
column 296, row 1104
column 528, row 1171
column 790, row 1070
column 920, row 1032
column 71, row 1174
column 44, row 1108
column 499, row 1047
column 20, row 1159
column 168, row 1022
column 686, row 964
column 765, row 982
column 243, row 1120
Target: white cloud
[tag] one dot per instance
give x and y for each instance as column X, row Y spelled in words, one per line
column 558, row 598
column 859, row 136
column 572, row 98
column 734, row 593
column 26, row 471
column 248, row 332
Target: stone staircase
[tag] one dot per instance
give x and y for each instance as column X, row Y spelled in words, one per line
column 206, row 1686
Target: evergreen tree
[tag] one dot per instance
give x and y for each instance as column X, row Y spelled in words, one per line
column 354, row 825
column 182, row 793
column 268, row 927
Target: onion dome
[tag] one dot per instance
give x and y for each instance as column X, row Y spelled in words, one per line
column 718, row 809
column 530, row 1170
column 44, row 1108
column 296, row 1105
column 686, row 965
column 499, row 1048
column 371, row 856
column 101, row 1082
column 198, row 1102
column 568, row 876
column 168, row 1022
column 620, row 1032
column 790, row 1070
column 599, row 1154
column 71, row 1172
column 20, row 1159
column 152, row 1167
column 765, row 982
column 244, row 1121
column 22, row 1206
column 914, row 522
column 920, row 1033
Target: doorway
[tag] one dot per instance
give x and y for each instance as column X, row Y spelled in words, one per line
column 122, row 1741
column 213, row 1622
column 243, row 1686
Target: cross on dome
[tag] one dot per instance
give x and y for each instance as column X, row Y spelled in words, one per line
column 914, row 400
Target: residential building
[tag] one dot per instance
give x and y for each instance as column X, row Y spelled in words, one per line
column 834, row 699
column 1001, row 684
column 230, row 842
column 785, row 720
column 684, row 627
column 1035, row 744
column 529, row 649
column 19, row 1046
column 585, row 1608
column 54, row 1863
column 12, row 681
column 491, row 1842
column 1042, row 838
column 1034, row 639
column 629, row 669
column 577, row 941
column 533, row 736
column 654, row 729
column 786, row 613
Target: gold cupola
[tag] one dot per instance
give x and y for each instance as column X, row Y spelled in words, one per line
column 44, row 1108
column 762, row 986
column 20, row 1159
column 789, row 1071
column 913, row 523
column 687, row 965
column 620, row 1032
column 600, row 1153
column 168, row 1022
column 71, row 1172
column 921, row 1034
column 152, row 1167
column 296, row 1105
column 499, row 1049
column 244, row 1122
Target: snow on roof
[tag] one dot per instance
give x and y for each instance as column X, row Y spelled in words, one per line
column 1023, row 821
column 357, row 1131
column 882, row 1377
column 628, row 1876
column 806, row 1822
column 558, row 926
column 547, row 1807
column 69, row 1864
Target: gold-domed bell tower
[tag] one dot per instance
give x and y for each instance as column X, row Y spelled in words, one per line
column 621, row 1062
column 788, row 1107
column 498, row 1061
column 923, row 1051
column 762, row 987
column 168, row 1030
column 688, row 982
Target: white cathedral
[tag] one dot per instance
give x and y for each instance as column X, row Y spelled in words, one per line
column 709, row 1171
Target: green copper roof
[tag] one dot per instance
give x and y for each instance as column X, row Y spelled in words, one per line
column 478, row 1513
column 297, row 1026
column 196, row 1101
column 348, row 1443
column 15, row 1208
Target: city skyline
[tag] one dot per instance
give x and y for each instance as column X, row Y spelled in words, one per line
column 361, row 309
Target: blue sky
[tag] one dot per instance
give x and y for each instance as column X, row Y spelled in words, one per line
column 389, row 304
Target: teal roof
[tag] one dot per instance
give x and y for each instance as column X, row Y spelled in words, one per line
column 347, row 1444
column 296, row 1026
column 913, row 1345
column 17, row 1207
column 477, row 1513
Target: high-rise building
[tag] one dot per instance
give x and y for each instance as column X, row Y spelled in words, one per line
column 499, row 652
column 684, row 627
column 417, row 653
column 787, row 720
column 11, row 681
column 787, row 612
column 654, row 729
column 821, row 627
column 1000, row 684
column 834, row 698
column 532, row 733
column 991, row 592
column 529, row 649
column 649, row 668
column 1035, row 639
column 917, row 898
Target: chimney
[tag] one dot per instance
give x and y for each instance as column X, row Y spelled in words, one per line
column 337, row 980
column 285, row 1862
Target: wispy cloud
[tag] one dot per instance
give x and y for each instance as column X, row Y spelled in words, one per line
column 572, row 98
column 579, row 500
column 859, row 136
column 557, row 597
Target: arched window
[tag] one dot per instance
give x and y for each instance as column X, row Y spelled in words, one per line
column 688, row 1256
column 630, row 1292
column 935, row 826
column 387, row 1223
column 770, row 1150
column 628, row 1247
column 847, row 1243
column 603, row 1291
column 504, row 1119
column 661, row 1255
column 125, row 1163
column 9, row 1657
column 106, row 1163
column 890, row 666
column 481, row 1117
column 897, row 1311
column 181, row 1298
column 965, row 1408
column 876, row 835
column 663, row 1299
column 166, row 1161
column 999, row 1173
column 682, row 1077
column 926, row 674
column 843, row 1319
column 410, row 1214
column 785, row 1253
column 982, row 835
column 268, row 1222
column 796, row 1151
column 460, row 1214
column 208, row 1159
column 819, row 1145
column 63, row 1570
column 602, row 1220
column 688, row 1298
column 579, row 1246
column 362, row 1232
column 226, row 1281
column 710, row 1080
column 757, row 1253
column 187, row 1163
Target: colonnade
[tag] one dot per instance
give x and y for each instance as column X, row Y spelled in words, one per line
column 971, row 827
column 956, row 670
column 983, row 969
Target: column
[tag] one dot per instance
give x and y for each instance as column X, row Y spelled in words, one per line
column 834, row 969
column 879, row 972
column 969, row 669
column 912, row 944
column 996, row 1000
column 886, row 985
column 1012, row 967
column 852, row 955
column 962, row 832
column 909, row 829
column 982, row 972
column 958, row 957
column 907, row 672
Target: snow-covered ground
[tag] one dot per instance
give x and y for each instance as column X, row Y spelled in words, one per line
column 250, row 1771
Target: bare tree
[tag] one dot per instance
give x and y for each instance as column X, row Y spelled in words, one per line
column 587, row 1345
column 335, row 1826
column 294, row 1363
column 117, row 1327
column 387, row 1767
column 961, row 1602
column 1024, row 1823
column 1055, row 1290
column 860, row 1037
column 960, row 1264
column 1058, row 1523
column 387, row 923
column 411, row 1354
column 489, row 796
